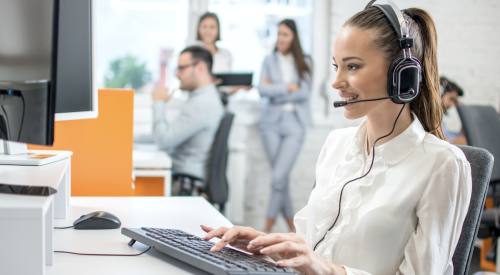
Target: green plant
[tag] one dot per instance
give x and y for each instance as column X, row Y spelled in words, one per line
column 126, row 72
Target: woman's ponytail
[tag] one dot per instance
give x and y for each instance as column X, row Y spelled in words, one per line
column 428, row 105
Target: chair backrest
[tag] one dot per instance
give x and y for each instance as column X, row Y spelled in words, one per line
column 481, row 162
column 481, row 126
column 216, row 186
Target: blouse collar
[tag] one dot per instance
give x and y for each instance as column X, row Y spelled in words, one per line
column 398, row 148
column 285, row 56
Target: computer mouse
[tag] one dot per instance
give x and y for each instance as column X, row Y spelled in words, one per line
column 97, row 220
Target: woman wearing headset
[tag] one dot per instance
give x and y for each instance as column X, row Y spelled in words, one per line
column 406, row 215
column 286, row 83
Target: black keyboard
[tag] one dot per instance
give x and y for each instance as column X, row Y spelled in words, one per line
column 196, row 252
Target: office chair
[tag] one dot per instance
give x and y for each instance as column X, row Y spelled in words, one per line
column 481, row 125
column 214, row 185
column 481, row 162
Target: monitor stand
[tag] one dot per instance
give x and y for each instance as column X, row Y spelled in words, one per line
column 14, row 148
column 17, row 153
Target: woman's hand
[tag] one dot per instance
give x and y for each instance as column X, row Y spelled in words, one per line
column 293, row 87
column 236, row 236
column 294, row 252
column 234, row 89
column 161, row 94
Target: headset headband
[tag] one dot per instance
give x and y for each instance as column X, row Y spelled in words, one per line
column 395, row 17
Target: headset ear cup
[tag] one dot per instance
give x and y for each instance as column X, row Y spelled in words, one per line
column 391, row 84
column 405, row 74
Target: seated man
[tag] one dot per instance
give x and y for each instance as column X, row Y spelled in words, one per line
column 188, row 138
column 450, row 93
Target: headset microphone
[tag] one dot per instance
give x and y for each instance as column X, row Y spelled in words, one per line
column 337, row 104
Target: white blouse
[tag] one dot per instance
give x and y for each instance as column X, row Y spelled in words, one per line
column 222, row 61
column 404, row 217
column 287, row 67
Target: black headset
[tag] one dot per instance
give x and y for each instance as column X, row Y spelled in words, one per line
column 405, row 72
column 404, row 78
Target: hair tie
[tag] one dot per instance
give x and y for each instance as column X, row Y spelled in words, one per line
column 409, row 13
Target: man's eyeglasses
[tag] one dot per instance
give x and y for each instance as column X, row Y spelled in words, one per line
column 181, row 68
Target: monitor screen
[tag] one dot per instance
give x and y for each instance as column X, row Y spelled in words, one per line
column 28, row 35
column 26, row 51
column 46, row 49
column 74, row 51
column 26, row 39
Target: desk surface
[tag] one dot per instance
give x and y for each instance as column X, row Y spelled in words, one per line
column 185, row 213
column 143, row 158
column 22, row 206
column 45, row 175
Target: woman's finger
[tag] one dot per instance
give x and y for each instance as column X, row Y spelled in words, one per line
column 217, row 233
column 206, row 228
column 271, row 239
column 232, row 235
column 228, row 237
column 294, row 262
column 285, row 247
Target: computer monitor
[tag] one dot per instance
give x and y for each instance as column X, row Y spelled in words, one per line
column 46, row 68
column 28, row 58
column 76, row 95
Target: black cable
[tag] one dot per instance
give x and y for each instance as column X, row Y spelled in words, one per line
column 63, row 227
column 8, row 123
column 22, row 120
column 86, row 254
column 373, row 159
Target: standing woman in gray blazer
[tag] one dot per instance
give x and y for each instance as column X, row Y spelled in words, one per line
column 286, row 82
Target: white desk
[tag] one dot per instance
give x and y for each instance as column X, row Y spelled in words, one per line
column 153, row 163
column 185, row 213
column 26, row 235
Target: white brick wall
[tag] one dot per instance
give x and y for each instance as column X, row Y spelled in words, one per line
column 468, row 41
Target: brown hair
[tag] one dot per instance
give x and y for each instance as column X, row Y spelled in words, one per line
column 200, row 54
column 298, row 55
column 205, row 16
column 428, row 106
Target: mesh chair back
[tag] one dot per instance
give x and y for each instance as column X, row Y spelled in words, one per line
column 216, row 186
column 481, row 162
column 481, row 126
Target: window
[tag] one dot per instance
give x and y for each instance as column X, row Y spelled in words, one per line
column 144, row 30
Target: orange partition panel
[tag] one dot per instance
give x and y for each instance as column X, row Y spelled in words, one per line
column 149, row 186
column 102, row 147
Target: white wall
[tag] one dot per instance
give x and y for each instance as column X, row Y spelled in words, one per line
column 468, row 41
